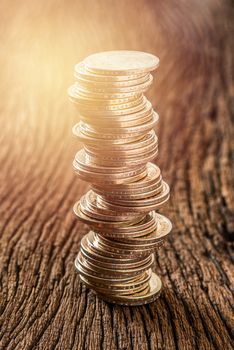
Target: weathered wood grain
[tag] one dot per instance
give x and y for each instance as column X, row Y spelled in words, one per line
column 42, row 304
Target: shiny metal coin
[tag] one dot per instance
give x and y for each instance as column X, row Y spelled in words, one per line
column 121, row 62
column 148, row 296
column 90, row 83
column 112, row 89
column 80, row 71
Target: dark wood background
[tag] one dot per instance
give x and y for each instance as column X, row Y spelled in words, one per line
column 43, row 305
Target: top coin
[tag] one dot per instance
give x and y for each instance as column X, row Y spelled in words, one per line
column 121, row 62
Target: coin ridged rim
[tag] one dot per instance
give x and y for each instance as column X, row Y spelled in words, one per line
column 117, row 271
column 113, row 292
column 111, row 111
column 132, row 196
column 163, row 229
column 92, row 275
column 111, row 95
column 140, row 203
column 78, row 96
column 97, row 178
column 113, row 272
column 119, row 123
column 89, row 242
column 105, row 133
column 80, row 70
column 81, row 161
column 113, row 90
column 122, row 265
column 87, row 139
column 133, row 146
column 143, row 110
column 124, row 191
column 144, row 182
column 89, row 207
column 126, row 162
column 86, row 81
column 99, row 223
column 138, row 226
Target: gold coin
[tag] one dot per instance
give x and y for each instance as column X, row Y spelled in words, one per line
column 163, row 229
column 82, row 161
column 121, row 62
column 90, row 83
column 131, row 196
column 80, row 95
column 111, row 111
column 150, row 294
column 86, row 139
column 80, row 91
column 147, row 204
column 104, row 92
column 119, row 133
column 121, row 265
column 136, row 228
column 101, row 288
column 111, row 89
column 96, row 223
column 80, row 71
column 131, row 147
column 96, row 247
column 115, row 272
column 99, row 278
column 137, row 116
column 149, row 181
column 124, row 123
column 90, row 207
column 89, row 244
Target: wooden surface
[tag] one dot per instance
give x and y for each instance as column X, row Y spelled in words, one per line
column 43, row 305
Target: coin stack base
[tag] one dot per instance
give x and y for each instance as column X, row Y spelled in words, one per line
column 154, row 289
column 116, row 127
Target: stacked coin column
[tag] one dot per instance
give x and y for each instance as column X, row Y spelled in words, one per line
column 117, row 130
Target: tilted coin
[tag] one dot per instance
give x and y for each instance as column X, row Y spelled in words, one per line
column 131, row 196
column 89, row 244
column 81, row 161
column 162, row 230
column 87, row 139
column 96, row 223
column 90, row 207
column 125, row 162
column 148, row 182
column 136, row 228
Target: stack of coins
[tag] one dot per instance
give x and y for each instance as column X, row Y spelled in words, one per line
column 117, row 130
